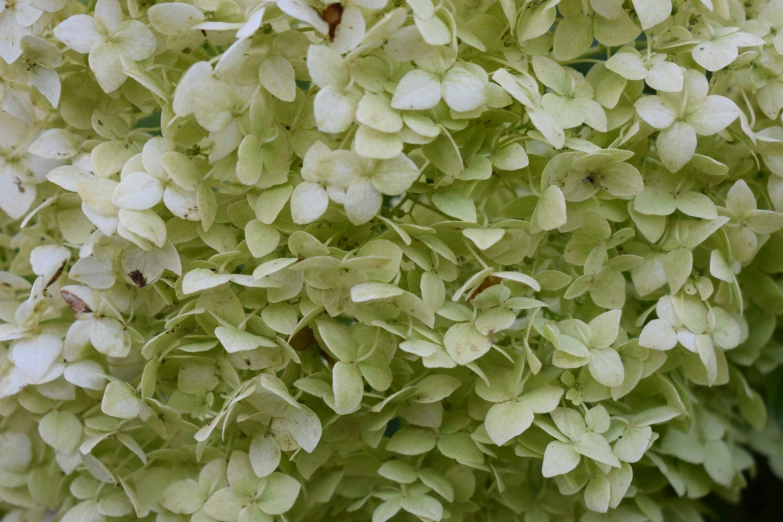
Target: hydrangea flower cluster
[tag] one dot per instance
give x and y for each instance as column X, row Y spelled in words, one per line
column 465, row 260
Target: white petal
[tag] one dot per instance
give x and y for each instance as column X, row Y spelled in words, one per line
column 35, row 355
column 362, row 202
column 211, row 101
column 326, row 67
column 145, row 223
column 277, row 77
column 334, row 111
column 106, row 63
column 676, row 145
column 417, row 91
column 376, row 112
column 253, row 23
column 715, row 114
column 370, row 143
column 658, row 335
column 462, row 91
column 652, row 12
column 15, row 196
column 85, row 374
column 174, row 18
column 350, row 31
column 340, row 167
column 109, row 13
column 26, row 14
column 433, row 30
column 715, row 54
column 47, row 82
column 628, row 65
column 11, row 34
column 135, row 39
column 46, row 260
column 652, row 110
column 138, row 191
column 182, row 203
column 394, row 176
column 151, row 156
column 79, row 33
column 303, row 12
column 308, row 203
column 110, row 337
column 666, row 77
column 182, row 104
column 742, row 39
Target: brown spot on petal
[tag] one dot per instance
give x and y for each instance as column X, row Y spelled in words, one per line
column 56, row 275
column 486, row 283
column 138, row 278
column 332, row 15
column 78, row 307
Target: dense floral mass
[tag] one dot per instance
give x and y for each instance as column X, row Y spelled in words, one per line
column 467, row 260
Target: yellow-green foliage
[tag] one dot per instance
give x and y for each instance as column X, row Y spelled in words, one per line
column 460, row 260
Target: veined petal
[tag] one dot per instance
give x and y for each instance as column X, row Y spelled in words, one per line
column 334, row 110
column 79, row 33
column 106, row 63
column 135, row 39
column 362, row 202
column 715, row 114
column 417, row 91
column 716, row 54
column 462, row 91
column 109, row 13
column 655, row 112
column 47, row 81
column 138, row 191
column 676, row 145
column 174, row 18
column 308, row 203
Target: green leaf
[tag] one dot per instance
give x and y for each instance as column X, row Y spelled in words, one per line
column 465, row 343
column 551, row 209
column 61, row 430
column 559, row 459
column 632, row 443
column 411, row 441
column 348, row 387
column 279, row 494
column 594, row 446
column 119, row 401
column 338, row 339
column 435, row 388
column 183, row 496
column 507, row 420
column 398, row 471
column 606, row 367
column 597, row 494
column 423, row 506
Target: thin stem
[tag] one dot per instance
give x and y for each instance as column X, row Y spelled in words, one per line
column 474, row 254
column 431, row 208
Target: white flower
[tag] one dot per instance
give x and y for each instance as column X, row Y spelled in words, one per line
column 108, row 40
column 571, row 99
column 158, row 175
column 16, row 17
column 681, row 116
column 360, row 182
column 717, row 48
column 461, row 87
column 36, row 67
column 19, row 172
column 655, row 69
